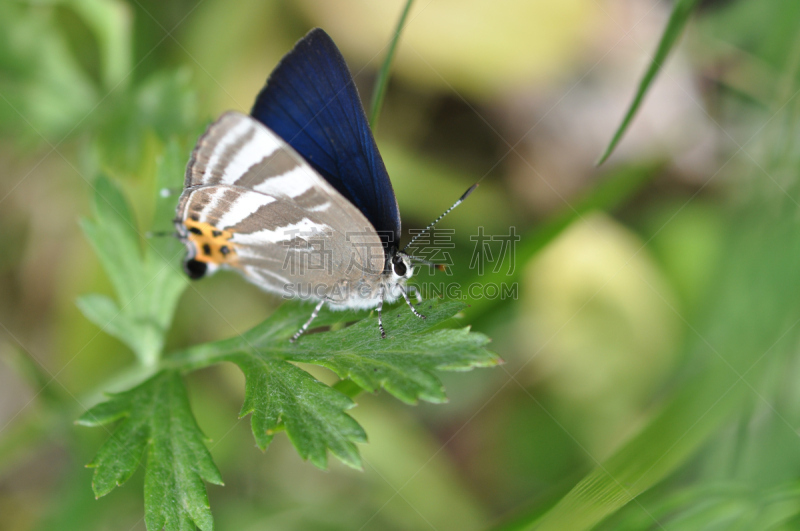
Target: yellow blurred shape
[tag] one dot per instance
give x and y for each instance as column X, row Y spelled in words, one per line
column 475, row 46
column 600, row 327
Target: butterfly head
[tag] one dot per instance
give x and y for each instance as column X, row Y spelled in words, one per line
column 401, row 267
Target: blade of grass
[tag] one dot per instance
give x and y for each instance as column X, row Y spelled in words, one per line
column 731, row 345
column 677, row 21
column 667, row 442
column 383, row 75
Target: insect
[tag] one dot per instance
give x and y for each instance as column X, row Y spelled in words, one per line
column 296, row 196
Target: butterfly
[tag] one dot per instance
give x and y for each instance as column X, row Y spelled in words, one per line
column 295, row 196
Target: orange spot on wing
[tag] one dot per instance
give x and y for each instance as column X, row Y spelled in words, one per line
column 209, row 242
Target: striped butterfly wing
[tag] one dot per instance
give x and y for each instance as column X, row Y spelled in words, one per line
column 251, row 203
column 311, row 101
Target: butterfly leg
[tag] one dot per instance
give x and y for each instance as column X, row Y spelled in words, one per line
column 417, row 292
column 408, row 301
column 380, row 318
column 307, row 323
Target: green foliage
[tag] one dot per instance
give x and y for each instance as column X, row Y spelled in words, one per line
column 147, row 285
column 715, row 448
column 155, row 416
column 681, row 12
column 110, row 21
column 404, row 364
column 49, row 94
column 728, row 506
column 44, row 84
column 163, row 104
column 733, row 351
column 280, row 395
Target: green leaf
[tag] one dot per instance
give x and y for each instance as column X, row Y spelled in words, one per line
column 114, row 237
column 156, row 416
column 404, row 363
column 164, row 103
column 169, row 177
column 146, row 283
column 279, row 393
column 720, row 505
column 105, row 313
column 45, row 91
column 681, row 12
column 111, row 22
column 666, row 442
column 382, row 81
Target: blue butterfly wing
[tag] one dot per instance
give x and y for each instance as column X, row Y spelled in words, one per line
column 311, row 101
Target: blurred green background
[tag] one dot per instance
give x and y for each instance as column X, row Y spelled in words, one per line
column 652, row 362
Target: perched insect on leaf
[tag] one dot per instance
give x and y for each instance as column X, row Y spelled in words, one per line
column 296, row 196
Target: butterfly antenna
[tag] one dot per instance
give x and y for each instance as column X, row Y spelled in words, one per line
column 437, row 220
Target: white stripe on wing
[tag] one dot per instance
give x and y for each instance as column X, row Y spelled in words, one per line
column 263, row 275
column 293, row 183
column 245, row 205
column 305, row 227
column 233, row 135
column 216, row 197
column 260, row 146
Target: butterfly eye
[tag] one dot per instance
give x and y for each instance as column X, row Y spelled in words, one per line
column 195, row 268
column 399, row 268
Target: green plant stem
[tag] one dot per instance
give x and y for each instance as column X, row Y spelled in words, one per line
column 383, row 75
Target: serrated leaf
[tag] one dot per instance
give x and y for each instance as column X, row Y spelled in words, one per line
column 278, row 392
column 147, row 285
column 313, row 414
column 404, row 363
column 156, row 417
